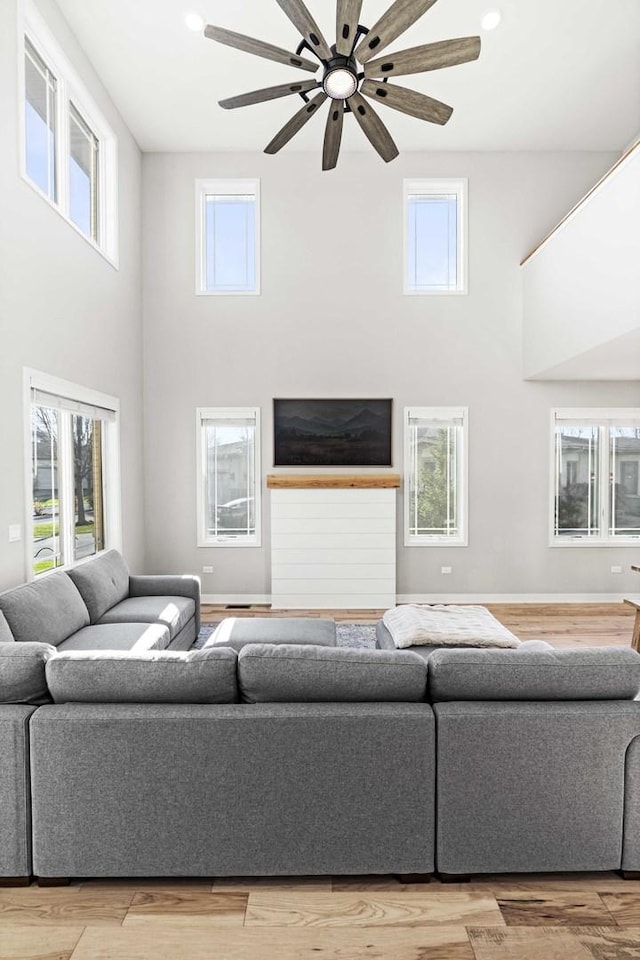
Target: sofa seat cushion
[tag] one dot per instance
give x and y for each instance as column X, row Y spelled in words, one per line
column 571, row 674
column 102, row 582
column 237, row 632
column 119, row 636
column 172, row 612
column 22, row 676
column 201, row 676
column 287, row 673
column 46, row 611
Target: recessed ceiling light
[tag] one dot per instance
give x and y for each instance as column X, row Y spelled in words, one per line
column 491, row 19
column 194, row 22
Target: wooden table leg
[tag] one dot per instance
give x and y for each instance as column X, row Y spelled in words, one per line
column 635, row 640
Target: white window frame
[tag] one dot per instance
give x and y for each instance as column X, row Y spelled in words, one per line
column 112, row 488
column 603, row 418
column 439, row 187
column 221, row 414
column 223, row 188
column 70, row 88
column 434, row 415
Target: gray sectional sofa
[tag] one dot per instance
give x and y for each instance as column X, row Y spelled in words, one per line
column 291, row 759
column 98, row 605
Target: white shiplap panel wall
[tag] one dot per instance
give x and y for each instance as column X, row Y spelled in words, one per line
column 333, row 548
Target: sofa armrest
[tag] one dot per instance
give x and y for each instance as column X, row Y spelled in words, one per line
column 169, row 585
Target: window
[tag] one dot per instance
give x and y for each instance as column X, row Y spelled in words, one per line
column 227, row 241
column 228, row 444
column 435, row 476
column 74, row 485
column 69, row 151
column 596, row 463
column 435, row 236
column 83, row 174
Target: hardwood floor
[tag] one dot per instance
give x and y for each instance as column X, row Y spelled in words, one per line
column 561, row 624
column 532, row 917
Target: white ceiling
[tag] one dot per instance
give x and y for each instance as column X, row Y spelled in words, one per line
column 555, row 75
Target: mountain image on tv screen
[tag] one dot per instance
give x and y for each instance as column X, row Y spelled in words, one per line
column 332, row 433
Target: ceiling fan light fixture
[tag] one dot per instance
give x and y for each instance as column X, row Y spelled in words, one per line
column 340, row 83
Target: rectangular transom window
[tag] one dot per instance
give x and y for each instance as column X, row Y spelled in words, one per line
column 228, row 236
column 74, row 477
column 435, row 236
column 228, row 495
column 595, row 477
column 435, row 440
column 69, row 153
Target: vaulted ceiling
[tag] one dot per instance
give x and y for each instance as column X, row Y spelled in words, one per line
column 555, row 75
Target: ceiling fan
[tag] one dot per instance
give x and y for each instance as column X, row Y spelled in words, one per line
column 343, row 81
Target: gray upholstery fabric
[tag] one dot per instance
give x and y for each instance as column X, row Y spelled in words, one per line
column 168, row 586
column 286, row 673
column 103, row 582
column 203, row 676
column 119, row 636
column 184, row 639
column 15, row 819
column 46, row 611
column 571, row 674
column 631, row 833
column 22, row 676
column 237, row 632
column 5, row 631
column 288, row 789
column 531, row 787
column 173, row 612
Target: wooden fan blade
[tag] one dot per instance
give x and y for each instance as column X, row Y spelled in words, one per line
column 306, row 25
column 430, row 56
column 407, row 101
column 268, row 93
column 373, row 128
column 347, row 17
column 333, row 135
column 258, row 48
column 296, row 123
column 391, row 24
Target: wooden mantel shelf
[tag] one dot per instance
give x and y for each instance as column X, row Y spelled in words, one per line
column 335, row 481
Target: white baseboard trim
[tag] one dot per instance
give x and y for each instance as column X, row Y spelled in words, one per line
column 223, row 598
column 510, row 597
column 265, row 598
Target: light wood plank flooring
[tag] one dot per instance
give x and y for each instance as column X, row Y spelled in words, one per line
column 561, row 624
column 537, row 917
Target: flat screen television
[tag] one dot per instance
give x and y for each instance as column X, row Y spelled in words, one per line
column 332, row 433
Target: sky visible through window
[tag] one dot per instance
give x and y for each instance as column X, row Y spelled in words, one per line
column 39, row 159
column 230, row 243
column 432, row 242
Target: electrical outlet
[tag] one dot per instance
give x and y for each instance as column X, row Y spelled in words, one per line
column 207, row 569
column 15, row 532
column 446, row 569
column 616, row 569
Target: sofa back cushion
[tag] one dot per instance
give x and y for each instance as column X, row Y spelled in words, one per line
column 570, row 674
column 156, row 676
column 285, row 673
column 102, row 582
column 5, row 630
column 47, row 611
column 22, row 672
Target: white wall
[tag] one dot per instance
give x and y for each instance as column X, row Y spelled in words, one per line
column 64, row 309
column 332, row 321
column 582, row 287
